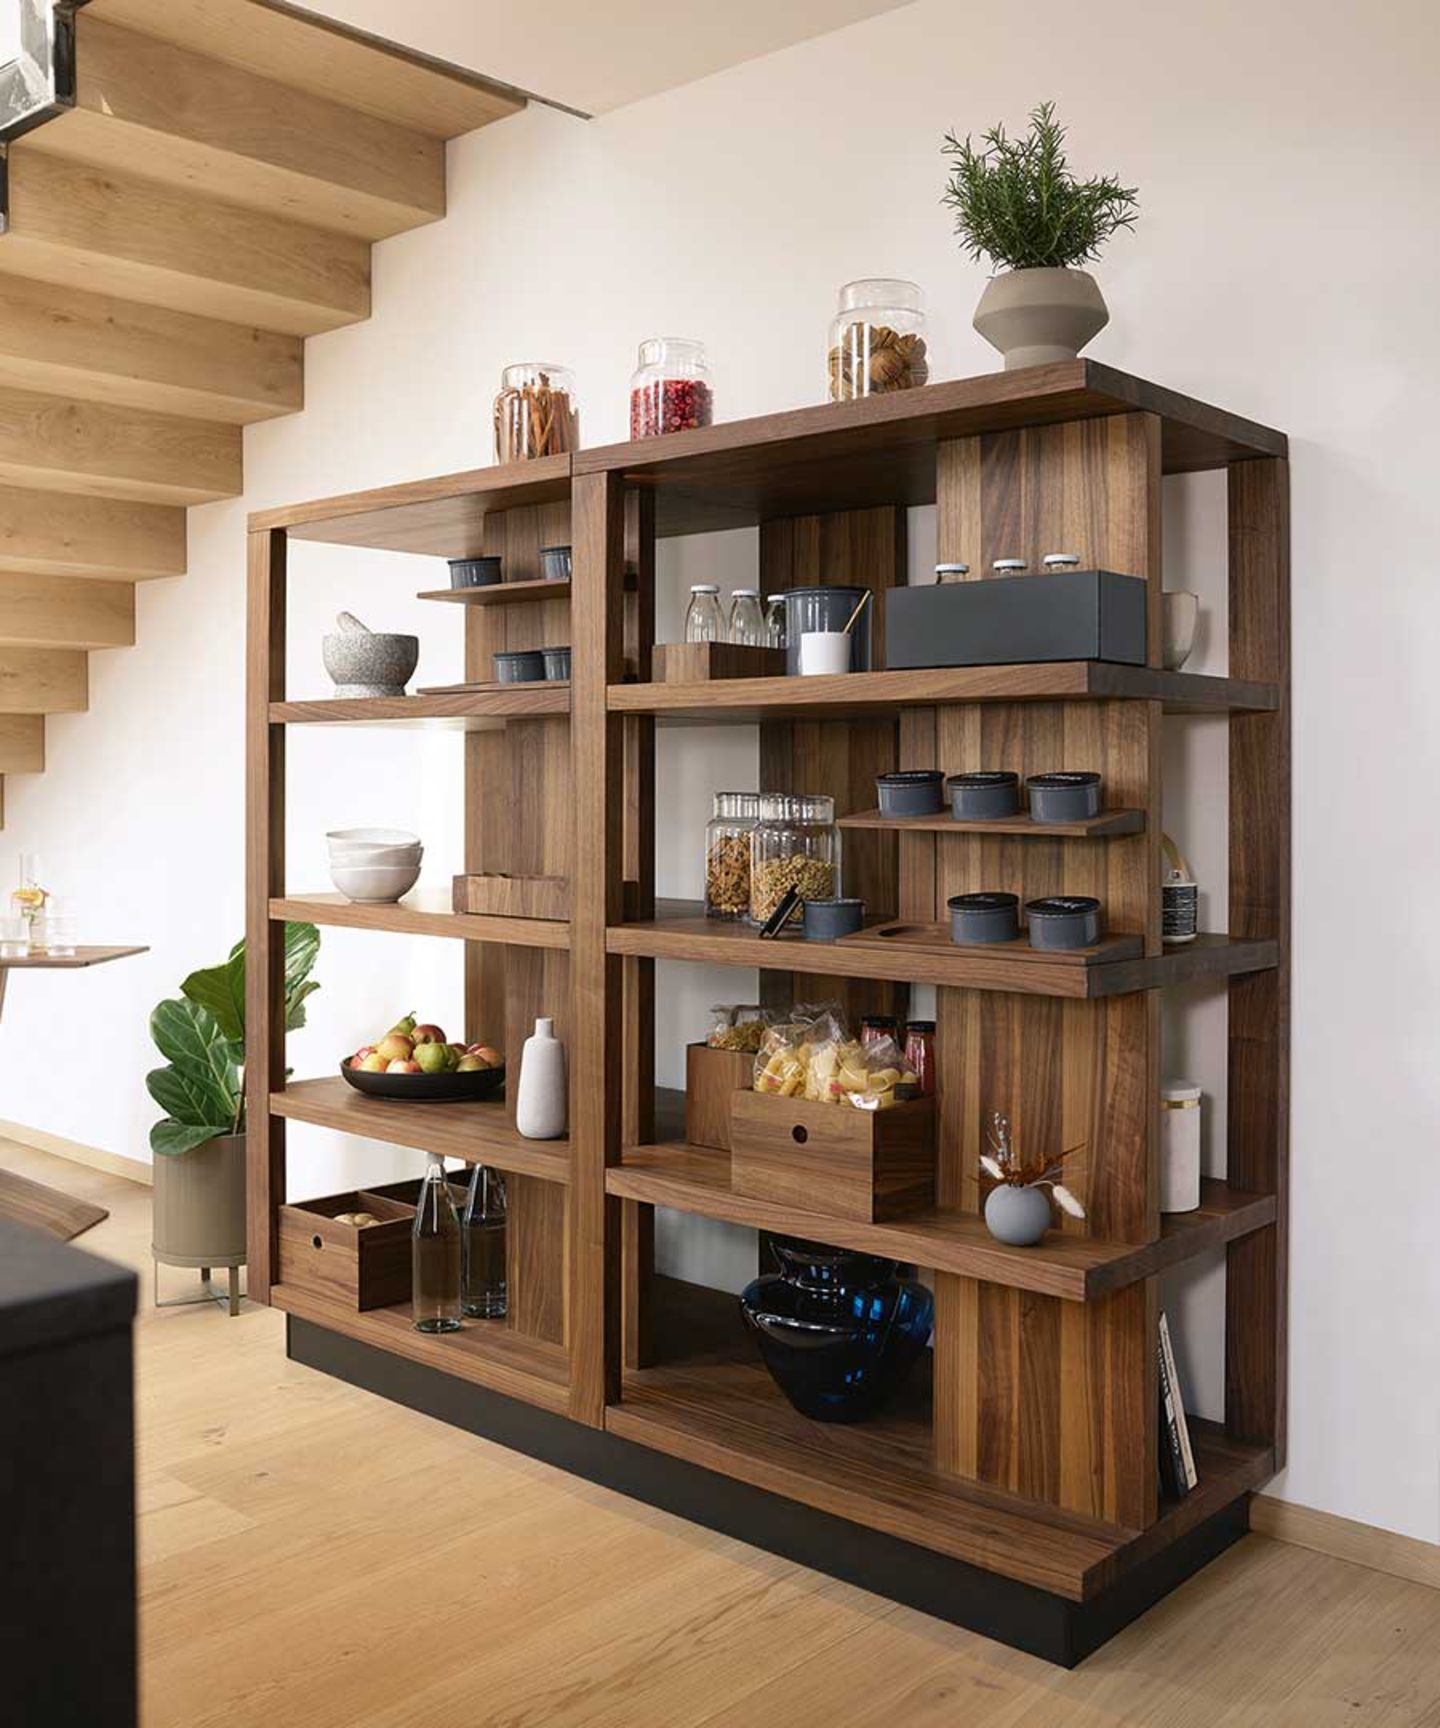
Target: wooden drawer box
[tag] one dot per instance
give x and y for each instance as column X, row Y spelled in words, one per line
column 711, row 1078
column 368, row 1267
column 513, row 896
column 864, row 1165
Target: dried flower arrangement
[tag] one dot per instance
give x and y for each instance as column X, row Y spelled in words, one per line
column 1002, row 1163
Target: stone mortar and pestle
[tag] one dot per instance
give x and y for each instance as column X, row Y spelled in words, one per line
column 364, row 662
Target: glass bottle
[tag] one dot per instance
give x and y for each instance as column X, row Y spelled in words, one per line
column 775, row 636
column 704, row 621
column 28, row 900
column 535, row 412
column 747, row 621
column 483, row 1259
column 1053, row 563
column 877, row 339
column 727, row 854
column 435, row 1253
column 670, row 389
column 1009, row 566
column 876, row 1028
column 920, row 1054
column 795, row 845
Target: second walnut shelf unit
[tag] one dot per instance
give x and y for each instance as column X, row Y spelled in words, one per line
column 1031, row 1463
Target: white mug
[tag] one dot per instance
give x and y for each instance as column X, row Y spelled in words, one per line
column 823, row 651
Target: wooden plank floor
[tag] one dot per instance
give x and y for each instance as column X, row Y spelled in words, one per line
column 313, row 1557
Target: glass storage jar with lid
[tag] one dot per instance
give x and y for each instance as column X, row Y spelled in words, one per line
column 704, row 620
column 747, row 621
column 877, row 339
column 727, row 854
column 775, row 621
column 536, row 412
column 670, row 389
column 795, row 845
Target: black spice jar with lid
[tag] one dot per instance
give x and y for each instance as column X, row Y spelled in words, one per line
column 1068, row 797
column 1063, row 921
column 984, row 796
column 911, row 792
column 978, row 918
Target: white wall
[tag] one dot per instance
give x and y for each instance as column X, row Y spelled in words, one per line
column 1284, row 267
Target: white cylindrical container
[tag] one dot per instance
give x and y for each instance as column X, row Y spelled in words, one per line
column 541, row 1101
column 823, row 652
column 1179, row 1146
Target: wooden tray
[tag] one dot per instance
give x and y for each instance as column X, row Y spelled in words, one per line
column 935, row 939
column 700, row 662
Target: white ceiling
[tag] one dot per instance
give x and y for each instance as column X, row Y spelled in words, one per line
column 599, row 54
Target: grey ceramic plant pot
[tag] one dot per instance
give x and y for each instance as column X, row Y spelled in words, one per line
column 1019, row 1216
column 367, row 663
column 1036, row 317
column 199, row 1208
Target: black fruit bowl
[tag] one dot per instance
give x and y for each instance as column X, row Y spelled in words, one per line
column 451, row 1088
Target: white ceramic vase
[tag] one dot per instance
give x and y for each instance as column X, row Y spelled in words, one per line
column 542, row 1096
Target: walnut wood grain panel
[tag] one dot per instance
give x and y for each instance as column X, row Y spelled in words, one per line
column 148, row 107
column 54, row 443
column 1108, row 822
column 1258, row 1115
column 99, row 348
column 421, row 914
column 538, row 592
column 264, row 881
column 479, row 711
column 83, row 227
column 867, row 1166
column 65, row 612
column 46, row 534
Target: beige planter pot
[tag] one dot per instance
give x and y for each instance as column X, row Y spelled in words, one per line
column 200, row 1205
column 1036, row 317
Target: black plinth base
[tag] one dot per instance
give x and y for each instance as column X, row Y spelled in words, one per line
column 1030, row 1619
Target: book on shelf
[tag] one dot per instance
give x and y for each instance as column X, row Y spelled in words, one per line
column 1177, row 1457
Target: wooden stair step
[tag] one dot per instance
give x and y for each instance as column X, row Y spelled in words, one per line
column 22, row 743
column 103, row 349
column 90, row 447
column 66, row 612
column 164, row 113
column 62, row 534
column 44, row 681
column 83, row 227
column 316, row 54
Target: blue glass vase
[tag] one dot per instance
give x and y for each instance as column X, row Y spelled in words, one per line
column 838, row 1331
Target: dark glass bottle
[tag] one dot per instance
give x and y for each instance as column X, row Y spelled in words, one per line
column 838, row 1331
column 483, row 1226
column 435, row 1254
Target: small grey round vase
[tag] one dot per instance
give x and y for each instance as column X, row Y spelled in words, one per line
column 1019, row 1216
column 370, row 665
column 1036, row 317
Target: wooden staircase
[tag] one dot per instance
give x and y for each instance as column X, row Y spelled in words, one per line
column 208, row 201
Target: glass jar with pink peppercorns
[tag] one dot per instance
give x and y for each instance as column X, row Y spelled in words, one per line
column 670, row 390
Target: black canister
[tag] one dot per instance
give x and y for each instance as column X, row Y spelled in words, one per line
column 520, row 666
column 826, row 609
column 557, row 665
column 474, row 572
column 984, row 796
column 1064, row 921
column 911, row 792
column 827, row 919
column 984, row 918
column 1064, row 797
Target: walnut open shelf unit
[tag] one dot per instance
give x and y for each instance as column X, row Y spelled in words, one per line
column 1013, row 1488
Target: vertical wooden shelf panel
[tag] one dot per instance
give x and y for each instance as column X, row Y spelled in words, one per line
column 518, row 820
column 1056, row 1406
column 1259, row 1040
column 264, row 879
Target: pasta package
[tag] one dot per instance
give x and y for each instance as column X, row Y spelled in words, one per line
column 817, row 1060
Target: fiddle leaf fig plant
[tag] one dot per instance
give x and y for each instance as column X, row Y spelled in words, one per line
column 201, row 1035
column 1017, row 203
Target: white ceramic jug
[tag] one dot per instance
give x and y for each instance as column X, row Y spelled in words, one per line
column 541, row 1099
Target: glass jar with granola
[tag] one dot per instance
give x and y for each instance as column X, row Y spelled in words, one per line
column 795, row 845
column 727, row 854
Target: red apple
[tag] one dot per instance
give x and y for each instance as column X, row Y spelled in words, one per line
column 364, row 1051
column 374, row 1063
column 395, row 1047
column 428, row 1035
column 488, row 1054
column 404, row 1068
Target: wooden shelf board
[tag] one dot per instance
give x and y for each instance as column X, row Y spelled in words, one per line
column 1108, row 822
column 468, row 711
column 712, row 1402
column 853, row 455
column 501, row 593
column 489, row 1353
column 440, row 518
column 82, row 957
column 682, row 932
column 858, row 695
column 1075, row 1268
column 421, row 915
column 478, row 1133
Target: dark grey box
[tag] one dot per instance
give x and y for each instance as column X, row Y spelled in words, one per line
column 1073, row 615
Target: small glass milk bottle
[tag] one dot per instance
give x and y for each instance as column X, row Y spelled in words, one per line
column 747, row 621
column 704, row 621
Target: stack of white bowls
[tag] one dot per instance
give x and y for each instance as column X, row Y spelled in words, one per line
column 374, row 865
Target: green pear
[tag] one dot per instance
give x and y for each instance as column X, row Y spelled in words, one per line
column 431, row 1058
column 405, row 1025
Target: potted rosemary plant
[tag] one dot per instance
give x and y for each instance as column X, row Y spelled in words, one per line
column 199, row 1145
column 1017, row 203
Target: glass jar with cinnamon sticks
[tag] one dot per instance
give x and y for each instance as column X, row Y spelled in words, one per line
column 535, row 412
